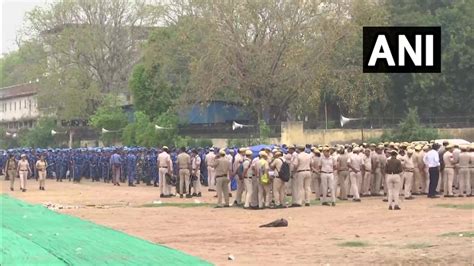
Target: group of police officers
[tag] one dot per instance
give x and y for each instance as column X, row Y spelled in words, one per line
column 264, row 177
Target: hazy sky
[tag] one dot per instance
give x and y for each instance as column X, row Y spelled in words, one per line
column 13, row 12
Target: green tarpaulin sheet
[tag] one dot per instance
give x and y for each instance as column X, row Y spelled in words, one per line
column 34, row 235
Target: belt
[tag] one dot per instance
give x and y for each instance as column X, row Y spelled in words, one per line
column 409, row 170
column 326, row 172
column 342, row 170
column 306, row 170
column 392, row 173
column 221, row 176
column 163, row 166
column 184, row 169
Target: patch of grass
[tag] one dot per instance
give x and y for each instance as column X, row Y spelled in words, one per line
column 468, row 206
column 353, row 244
column 418, row 245
column 460, row 234
column 178, row 204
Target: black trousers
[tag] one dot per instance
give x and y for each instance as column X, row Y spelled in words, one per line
column 434, row 177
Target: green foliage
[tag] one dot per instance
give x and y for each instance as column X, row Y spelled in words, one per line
column 264, row 130
column 409, row 129
column 7, row 142
column 243, row 142
column 39, row 136
column 197, row 143
column 111, row 117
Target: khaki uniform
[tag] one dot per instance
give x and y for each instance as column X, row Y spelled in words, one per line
column 255, row 184
column 222, row 167
column 23, row 167
column 343, row 174
column 465, row 161
column 196, row 171
column 416, row 173
column 328, row 164
column 264, row 190
column 238, row 159
column 11, row 170
column 184, row 164
column 408, row 170
column 164, row 167
column 41, row 168
column 367, row 180
column 449, row 164
column 302, row 179
column 316, row 175
column 377, row 174
column 211, row 173
column 278, row 184
column 247, row 164
column 355, row 175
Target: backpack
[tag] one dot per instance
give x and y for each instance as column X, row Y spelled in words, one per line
column 264, row 178
column 284, row 173
column 240, row 170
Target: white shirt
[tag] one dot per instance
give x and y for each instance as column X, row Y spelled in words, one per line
column 431, row 158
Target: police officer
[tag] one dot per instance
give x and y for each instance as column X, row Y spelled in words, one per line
column 393, row 170
column 222, row 168
column 131, row 168
column 184, row 166
column 196, row 173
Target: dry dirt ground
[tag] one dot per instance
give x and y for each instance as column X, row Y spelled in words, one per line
column 350, row 233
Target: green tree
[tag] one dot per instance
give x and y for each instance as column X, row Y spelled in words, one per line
column 410, row 129
column 111, row 117
column 39, row 136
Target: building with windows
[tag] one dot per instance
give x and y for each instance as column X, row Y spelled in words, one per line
column 19, row 106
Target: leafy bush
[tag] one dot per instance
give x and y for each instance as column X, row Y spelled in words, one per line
column 39, row 136
column 409, row 129
column 111, row 117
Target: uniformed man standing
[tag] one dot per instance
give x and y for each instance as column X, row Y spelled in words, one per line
column 408, row 170
column 392, row 171
column 11, row 168
column 367, row 179
column 449, row 164
column 222, row 168
column 465, row 161
column 115, row 164
column 237, row 162
column 196, row 172
column 355, row 162
column 211, row 174
column 343, row 173
column 316, row 172
column 302, row 179
column 184, row 166
column 278, row 184
column 131, row 168
column 164, row 167
column 248, row 175
column 23, row 171
column 327, row 168
column 41, row 166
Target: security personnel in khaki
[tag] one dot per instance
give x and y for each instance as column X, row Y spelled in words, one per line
column 278, row 184
column 327, row 168
column 315, row 172
column 238, row 159
column 302, row 179
column 449, row 164
column 211, row 172
column 367, row 165
column 196, row 172
column 164, row 167
column 343, row 173
column 393, row 169
column 23, row 171
column 417, row 180
column 408, row 170
column 465, row 161
column 248, row 175
column 222, row 167
column 11, row 170
column 41, row 166
column 355, row 162
column 377, row 168
column 184, row 166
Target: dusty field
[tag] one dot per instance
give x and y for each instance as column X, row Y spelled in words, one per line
column 316, row 234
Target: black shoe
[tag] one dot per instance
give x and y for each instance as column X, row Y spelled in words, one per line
column 43, row 189
column 118, row 184
column 333, row 204
column 294, row 205
column 230, row 195
column 162, row 195
column 307, row 204
column 23, row 190
column 356, row 200
column 155, row 185
column 226, row 206
column 433, row 197
column 11, row 189
column 199, row 194
column 461, row 195
column 390, row 208
column 325, row 204
column 235, row 203
column 180, row 196
column 188, row 196
column 131, row 185
column 194, row 195
column 385, row 200
column 409, row 198
column 449, row 196
column 396, row 208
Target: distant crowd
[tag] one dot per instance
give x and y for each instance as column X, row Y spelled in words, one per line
column 261, row 176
